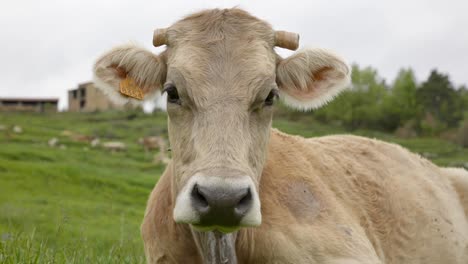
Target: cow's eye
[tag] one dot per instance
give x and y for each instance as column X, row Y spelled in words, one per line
column 271, row 97
column 172, row 94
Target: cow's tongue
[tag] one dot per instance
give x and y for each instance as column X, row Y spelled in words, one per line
column 216, row 247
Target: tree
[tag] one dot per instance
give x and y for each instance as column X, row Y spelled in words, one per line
column 401, row 105
column 359, row 106
column 438, row 98
column 462, row 96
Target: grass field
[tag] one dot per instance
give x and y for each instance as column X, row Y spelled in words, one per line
column 78, row 204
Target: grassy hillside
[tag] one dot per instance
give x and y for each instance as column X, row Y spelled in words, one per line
column 79, row 204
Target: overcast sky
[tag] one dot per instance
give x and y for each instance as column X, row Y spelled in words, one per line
column 48, row 47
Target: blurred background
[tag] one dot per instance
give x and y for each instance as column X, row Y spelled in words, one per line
column 76, row 170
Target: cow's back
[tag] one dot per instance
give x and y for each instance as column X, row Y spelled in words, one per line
column 459, row 179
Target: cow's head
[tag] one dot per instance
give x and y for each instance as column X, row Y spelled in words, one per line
column 222, row 76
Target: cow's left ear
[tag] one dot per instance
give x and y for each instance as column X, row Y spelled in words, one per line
column 310, row 78
column 130, row 74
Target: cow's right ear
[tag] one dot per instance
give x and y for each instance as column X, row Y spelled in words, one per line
column 130, row 74
column 311, row 78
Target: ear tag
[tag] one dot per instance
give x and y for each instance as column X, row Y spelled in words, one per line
column 128, row 87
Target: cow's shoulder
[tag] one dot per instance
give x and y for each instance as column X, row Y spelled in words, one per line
column 298, row 190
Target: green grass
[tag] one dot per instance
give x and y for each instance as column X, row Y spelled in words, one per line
column 79, row 202
column 85, row 205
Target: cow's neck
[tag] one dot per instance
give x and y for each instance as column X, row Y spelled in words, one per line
column 216, row 247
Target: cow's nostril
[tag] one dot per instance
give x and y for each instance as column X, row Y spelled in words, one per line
column 199, row 200
column 222, row 206
column 244, row 204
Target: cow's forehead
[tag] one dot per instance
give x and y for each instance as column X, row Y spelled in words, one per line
column 223, row 62
column 213, row 73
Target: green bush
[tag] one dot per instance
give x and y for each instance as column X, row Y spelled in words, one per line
column 462, row 135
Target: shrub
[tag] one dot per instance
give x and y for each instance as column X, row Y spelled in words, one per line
column 462, row 135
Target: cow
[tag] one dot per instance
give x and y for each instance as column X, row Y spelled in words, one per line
column 239, row 191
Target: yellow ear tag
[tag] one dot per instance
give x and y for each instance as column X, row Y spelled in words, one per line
column 128, row 87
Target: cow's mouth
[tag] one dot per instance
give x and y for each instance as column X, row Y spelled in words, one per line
column 222, row 229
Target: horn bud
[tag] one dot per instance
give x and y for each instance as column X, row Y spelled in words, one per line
column 287, row 40
column 159, row 37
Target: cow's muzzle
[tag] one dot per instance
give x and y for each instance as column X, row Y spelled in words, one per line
column 225, row 206
column 213, row 203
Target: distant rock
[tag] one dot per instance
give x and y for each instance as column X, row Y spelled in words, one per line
column 95, row 142
column 429, row 155
column 114, row 146
column 3, row 127
column 161, row 158
column 17, row 129
column 81, row 138
column 153, row 143
column 77, row 136
column 53, row 142
column 156, row 143
column 67, row 133
column 62, row 146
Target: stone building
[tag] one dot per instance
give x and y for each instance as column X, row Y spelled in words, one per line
column 88, row 98
column 29, row 104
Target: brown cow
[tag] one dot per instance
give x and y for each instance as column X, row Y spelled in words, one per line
column 238, row 191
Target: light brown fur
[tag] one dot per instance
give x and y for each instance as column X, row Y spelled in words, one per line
column 367, row 202
column 332, row 200
column 459, row 179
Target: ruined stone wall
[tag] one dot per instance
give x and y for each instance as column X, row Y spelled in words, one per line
column 87, row 98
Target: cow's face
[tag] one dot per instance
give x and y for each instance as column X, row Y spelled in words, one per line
column 222, row 76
